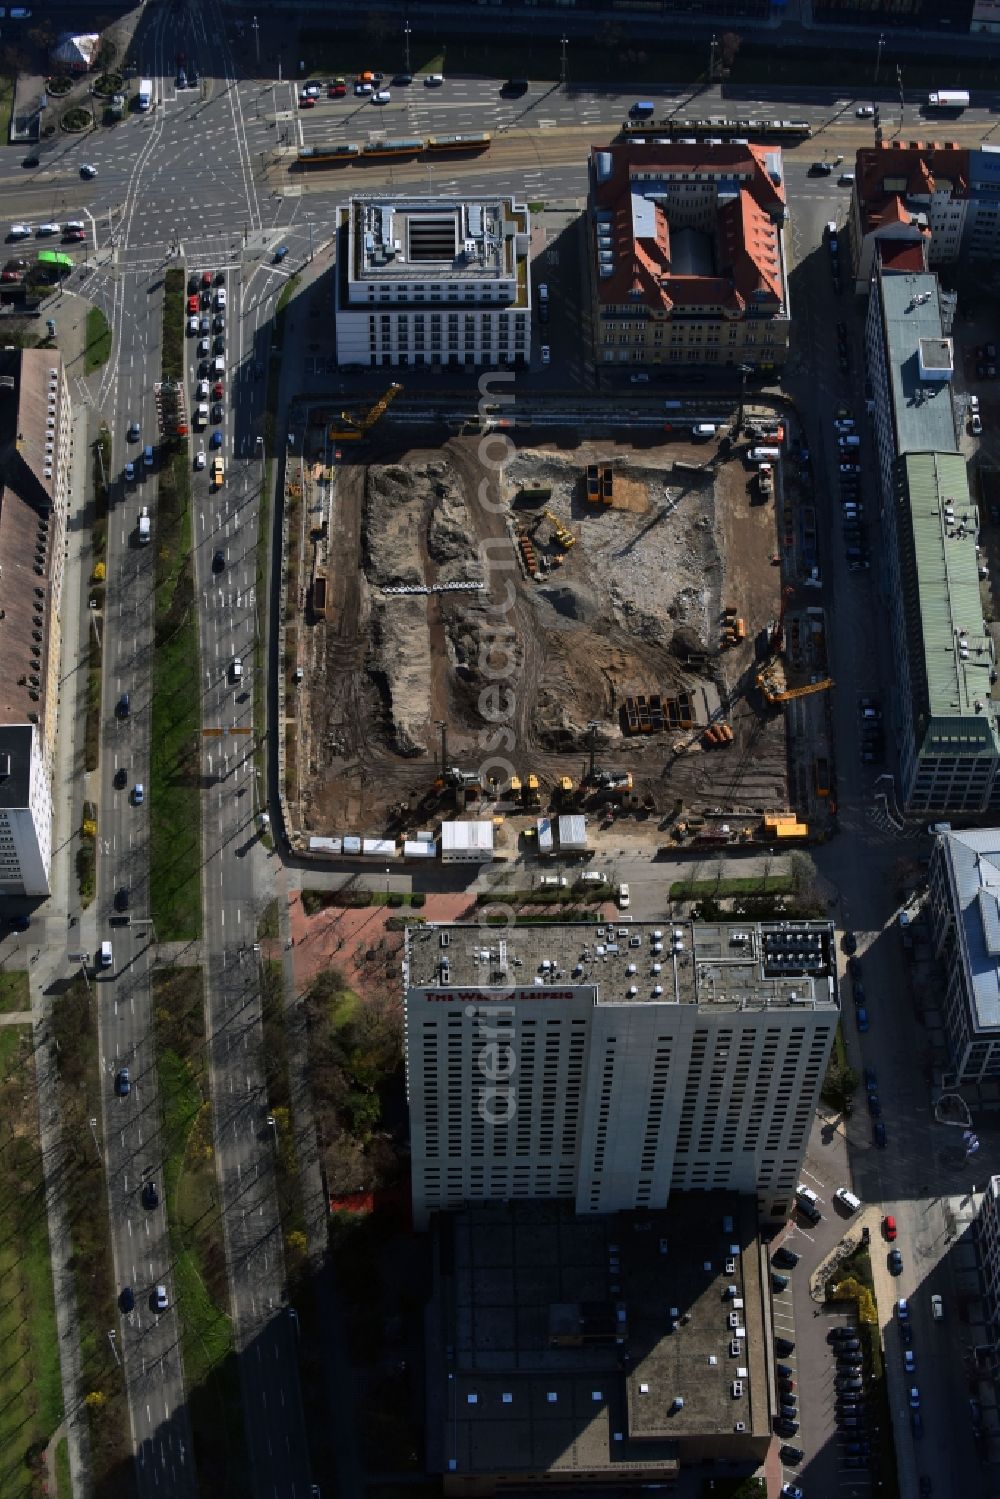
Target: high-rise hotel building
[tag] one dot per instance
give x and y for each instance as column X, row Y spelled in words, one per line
column 611, row 1066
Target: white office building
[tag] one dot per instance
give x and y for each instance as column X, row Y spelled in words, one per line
column 440, row 281
column 964, row 909
column 611, row 1066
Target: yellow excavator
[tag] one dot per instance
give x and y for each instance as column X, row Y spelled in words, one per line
column 351, row 428
column 563, row 536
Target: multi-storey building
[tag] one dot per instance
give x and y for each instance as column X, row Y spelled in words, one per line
column 949, row 750
column 988, row 1256
column 611, row 1069
column 908, row 193
column 439, row 281
column 35, row 457
column 687, row 254
column 964, row 910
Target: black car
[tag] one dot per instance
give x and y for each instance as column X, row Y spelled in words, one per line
column 820, row 169
column 790, row 1454
column 850, row 943
column 514, row 88
column 127, row 1299
column 31, row 161
column 786, row 1428
column 220, row 278
column 121, row 778
column 150, row 1196
column 779, row 1282
column 123, row 707
column 895, row 1262
column 121, row 899
column 836, row 1333
column 204, row 326
column 401, row 80
column 219, row 322
column 879, row 1134
column 218, row 412
column 784, row 1371
column 783, row 1347
column 846, row 1359
column 194, row 282
column 218, row 560
column 785, row 1257
column 874, row 1105
column 219, row 345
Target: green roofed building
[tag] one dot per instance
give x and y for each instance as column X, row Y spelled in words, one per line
column 944, row 713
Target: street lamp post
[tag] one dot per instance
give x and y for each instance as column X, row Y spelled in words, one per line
column 711, row 58
column 256, row 37
column 563, row 64
column 878, row 55
column 902, row 100
column 406, row 45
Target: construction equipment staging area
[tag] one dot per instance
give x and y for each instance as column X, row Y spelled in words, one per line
column 605, row 620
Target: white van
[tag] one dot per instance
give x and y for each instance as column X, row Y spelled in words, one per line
column 764, row 455
column 144, row 528
column 593, row 877
column 704, row 429
column 852, row 440
column 105, row 957
column 848, row 1200
column 553, row 882
column 806, row 1194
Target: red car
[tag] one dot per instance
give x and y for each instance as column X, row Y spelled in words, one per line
column 10, row 275
column 889, row 1227
column 337, row 91
column 73, row 236
column 193, row 302
column 206, row 278
column 305, row 102
column 217, row 390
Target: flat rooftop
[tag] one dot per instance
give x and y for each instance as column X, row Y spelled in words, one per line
column 410, row 239
column 736, row 964
column 925, row 420
column 957, row 651
column 974, row 859
column 572, row 1343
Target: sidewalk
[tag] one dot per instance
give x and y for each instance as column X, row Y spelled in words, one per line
column 49, row 962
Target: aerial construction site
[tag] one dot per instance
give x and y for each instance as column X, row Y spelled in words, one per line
column 586, row 625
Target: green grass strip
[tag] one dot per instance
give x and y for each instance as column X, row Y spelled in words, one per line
column 775, row 884
column 30, row 1386
column 64, row 1482
column 98, row 348
column 201, row 1289
column 14, row 995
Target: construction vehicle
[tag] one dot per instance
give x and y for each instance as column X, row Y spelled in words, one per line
column 607, row 485
column 531, row 794
column 733, row 631
column 593, row 484
column 515, row 785
column 821, row 775
column 774, row 689
column 562, row 536
column 353, row 428
column 765, row 481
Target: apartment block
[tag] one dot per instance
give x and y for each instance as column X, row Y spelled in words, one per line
column 35, row 462
column 612, row 1068
column 908, row 195
column 687, row 254
column 433, row 281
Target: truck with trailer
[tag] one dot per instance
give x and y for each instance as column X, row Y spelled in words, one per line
column 952, row 99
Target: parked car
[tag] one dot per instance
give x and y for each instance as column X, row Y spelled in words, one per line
column 785, row 1257
column 895, row 1262
column 879, row 1134
column 889, row 1227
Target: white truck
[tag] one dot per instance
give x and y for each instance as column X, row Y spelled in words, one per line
column 144, row 526
column 145, row 94
column 954, row 99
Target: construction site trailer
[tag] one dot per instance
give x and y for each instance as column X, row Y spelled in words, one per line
column 467, row 842
column 573, row 832
column 544, row 836
column 379, row 848
column 417, row 848
column 426, row 836
column 352, row 844
column 324, row 845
